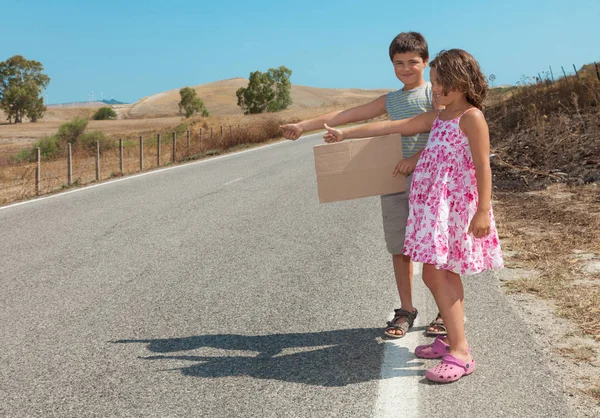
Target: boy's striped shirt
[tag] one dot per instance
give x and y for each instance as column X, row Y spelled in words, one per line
column 406, row 104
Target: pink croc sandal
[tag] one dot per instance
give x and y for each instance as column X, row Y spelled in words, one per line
column 437, row 349
column 450, row 370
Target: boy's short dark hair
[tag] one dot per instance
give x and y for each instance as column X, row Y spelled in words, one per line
column 409, row 42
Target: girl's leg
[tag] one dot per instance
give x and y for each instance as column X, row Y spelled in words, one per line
column 448, row 292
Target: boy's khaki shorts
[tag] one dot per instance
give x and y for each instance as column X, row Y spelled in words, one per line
column 394, row 211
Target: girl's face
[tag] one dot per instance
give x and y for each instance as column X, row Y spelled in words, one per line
column 438, row 91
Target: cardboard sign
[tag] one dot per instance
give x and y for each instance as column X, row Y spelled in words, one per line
column 357, row 168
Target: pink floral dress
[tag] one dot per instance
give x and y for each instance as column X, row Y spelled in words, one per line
column 443, row 200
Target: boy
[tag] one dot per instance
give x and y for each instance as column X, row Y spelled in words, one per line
column 409, row 54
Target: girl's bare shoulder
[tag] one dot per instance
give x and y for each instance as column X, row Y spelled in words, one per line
column 472, row 118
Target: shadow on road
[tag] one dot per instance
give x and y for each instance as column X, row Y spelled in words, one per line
column 328, row 358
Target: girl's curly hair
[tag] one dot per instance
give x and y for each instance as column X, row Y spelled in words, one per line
column 457, row 70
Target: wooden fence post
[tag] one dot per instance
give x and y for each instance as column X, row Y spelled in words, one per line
column 38, row 170
column 576, row 73
column 121, row 155
column 158, row 150
column 174, row 146
column 97, row 160
column 221, row 133
column 551, row 73
column 563, row 70
column 141, row 153
column 187, row 150
column 211, row 134
column 597, row 71
column 69, row 165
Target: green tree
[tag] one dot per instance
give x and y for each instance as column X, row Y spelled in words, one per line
column 270, row 91
column 190, row 103
column 104, row 113
column 21, row 85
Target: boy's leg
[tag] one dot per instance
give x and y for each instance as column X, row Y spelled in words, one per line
column 403, row 271
column 394, row 211
column 448, row 292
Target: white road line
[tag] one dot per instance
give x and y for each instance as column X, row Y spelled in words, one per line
column 142, row 174
column 233, row 181
column 401, row 371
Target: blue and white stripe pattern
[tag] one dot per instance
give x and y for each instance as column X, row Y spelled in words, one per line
column 406, row 104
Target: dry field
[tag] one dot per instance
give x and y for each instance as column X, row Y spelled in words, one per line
column 220, row 99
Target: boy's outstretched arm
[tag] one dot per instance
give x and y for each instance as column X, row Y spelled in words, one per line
column 369, row 110
column 407, row 127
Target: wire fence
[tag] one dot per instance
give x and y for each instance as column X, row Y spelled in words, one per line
column 552, row 75
column 26, row 173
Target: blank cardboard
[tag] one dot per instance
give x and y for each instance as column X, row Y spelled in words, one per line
column 358, row 168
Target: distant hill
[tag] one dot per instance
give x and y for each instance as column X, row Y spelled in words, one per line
column 112, row 102
column 96, row 103
column 220, row 99
column 76, row 104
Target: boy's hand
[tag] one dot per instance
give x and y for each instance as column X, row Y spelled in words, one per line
column 406, row 166
column 480, row 225
column 292, row 131
column 333, row 135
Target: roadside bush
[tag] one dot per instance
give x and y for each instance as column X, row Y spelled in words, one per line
column 49, row 148
column 71, row 132
column 88, row 140
column 104, row 113
column 68, row 133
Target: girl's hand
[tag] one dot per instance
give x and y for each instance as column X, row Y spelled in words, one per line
column 406, row 166
column 333, row 135
column 480, row 224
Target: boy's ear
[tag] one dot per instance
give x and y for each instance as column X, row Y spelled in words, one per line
column 425, row 62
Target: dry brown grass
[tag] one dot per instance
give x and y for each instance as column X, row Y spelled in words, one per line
column 595, row 392
column 547, row 133
column 582, row 353
column 545, row 228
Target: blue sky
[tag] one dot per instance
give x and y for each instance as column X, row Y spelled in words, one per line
column 130, row 49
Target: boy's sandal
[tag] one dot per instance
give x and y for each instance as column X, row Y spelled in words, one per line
column 438, row 323
column 450, row 370
column 404, row 326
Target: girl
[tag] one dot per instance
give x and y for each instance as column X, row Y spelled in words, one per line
column 451, row 228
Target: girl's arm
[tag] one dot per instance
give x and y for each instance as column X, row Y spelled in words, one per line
column 475, row 127
column 407, row 127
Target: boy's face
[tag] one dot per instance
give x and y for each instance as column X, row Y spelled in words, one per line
column 438, row 91
column 409, row 67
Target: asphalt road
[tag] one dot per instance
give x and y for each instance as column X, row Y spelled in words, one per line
column 224, row 289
